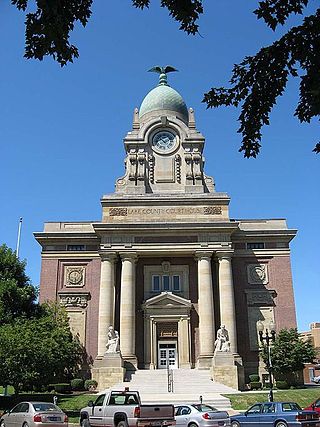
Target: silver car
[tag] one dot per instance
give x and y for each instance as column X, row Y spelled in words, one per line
column 200, row 415
column 34, row 414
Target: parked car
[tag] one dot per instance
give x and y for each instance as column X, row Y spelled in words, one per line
column 200, row 415
column 316, row 379
column 34, row 414
column 315, row 406
column 276, row 414
column 123, row 408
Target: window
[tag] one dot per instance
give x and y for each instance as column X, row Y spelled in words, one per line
column 76, row 247
column 166, row 283
column 99, row 400
column 255, row 409
column 255, row 245
column 156, row 283
column 268, row 408
column 176, row 283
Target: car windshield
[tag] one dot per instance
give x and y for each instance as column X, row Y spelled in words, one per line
column 203, row 408
column 43, row 407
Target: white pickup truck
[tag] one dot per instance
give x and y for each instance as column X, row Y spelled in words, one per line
column 124, row 409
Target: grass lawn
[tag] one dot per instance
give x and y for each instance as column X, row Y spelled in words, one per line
column 71, row 405
column 304, row 397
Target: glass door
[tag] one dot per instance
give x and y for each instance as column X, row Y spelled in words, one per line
column 167, row 355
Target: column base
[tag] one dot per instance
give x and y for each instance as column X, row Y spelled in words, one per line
column 204, row 362
column 227, row 369
column 108, row 370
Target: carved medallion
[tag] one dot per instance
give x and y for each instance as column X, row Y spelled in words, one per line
column 74, row 276
column 257, row 274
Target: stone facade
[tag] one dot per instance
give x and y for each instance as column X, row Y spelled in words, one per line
column 166, row 265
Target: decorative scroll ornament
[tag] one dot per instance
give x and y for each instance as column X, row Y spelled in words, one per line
column 74, row 299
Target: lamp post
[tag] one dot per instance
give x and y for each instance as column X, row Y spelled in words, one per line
column 268, row 337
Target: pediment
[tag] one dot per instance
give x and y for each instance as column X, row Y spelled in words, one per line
column 167, row 300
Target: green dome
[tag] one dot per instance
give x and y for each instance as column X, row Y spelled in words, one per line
column 163, row 97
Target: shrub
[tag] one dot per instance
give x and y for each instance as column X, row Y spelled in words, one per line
column 255, row 385
column 62, row 388
column 254, row 378
column 281, row 385
column 77, row 384
column 90, row 384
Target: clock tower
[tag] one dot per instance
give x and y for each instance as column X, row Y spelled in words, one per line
column 164, row 148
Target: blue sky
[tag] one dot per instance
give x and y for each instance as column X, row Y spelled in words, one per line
column 61, row 129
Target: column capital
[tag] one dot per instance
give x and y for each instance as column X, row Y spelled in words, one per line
column 129, row 256
column 203, row 255
column 108, row 256
column 224, row 255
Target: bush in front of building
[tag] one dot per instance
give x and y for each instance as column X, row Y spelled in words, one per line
column 77, row 384
column 282, row 385
column 255, row 385
column 90, row 385
column 62, row 388
column 254, row 378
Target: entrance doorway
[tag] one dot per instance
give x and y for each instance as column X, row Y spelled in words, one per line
column 167, row 355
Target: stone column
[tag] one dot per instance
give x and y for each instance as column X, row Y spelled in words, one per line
column 128, row 307
column 226, row 292
column 205, row 309
column 106, row 299
column 183, row 342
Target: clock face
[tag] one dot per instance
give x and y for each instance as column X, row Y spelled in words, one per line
column 164, row 140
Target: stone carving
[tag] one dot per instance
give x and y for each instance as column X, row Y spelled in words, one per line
column 264, row 297
column 222, row 342
column 151, row 168
column 112, row 345
column 132, row 163
column 177, row 160
column 74, row 299
column 118, row 212
column 212, row 210
column 141, row 157
column 257, row 274
column 74, row 276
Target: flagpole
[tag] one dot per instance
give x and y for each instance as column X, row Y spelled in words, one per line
column 19, row 237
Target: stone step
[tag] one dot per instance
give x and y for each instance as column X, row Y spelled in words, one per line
column 188, row 386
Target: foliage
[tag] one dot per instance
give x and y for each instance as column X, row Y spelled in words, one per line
column 282, row 385
column 256, row 82
column 90, row 384
column 77, row 384
column 17, row 295
column 37, row 351
column 255, row 385
column 62, row 388
column 254, row 377
column 289, row 352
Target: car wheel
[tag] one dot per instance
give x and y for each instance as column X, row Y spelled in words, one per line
column 2, row 424
column 281, row 424
column 192, row 425
column 85, row 422
column 25, row 425
column 235, row 424
column 122, row 424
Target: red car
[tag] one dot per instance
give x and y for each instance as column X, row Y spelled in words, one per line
column 315, row 406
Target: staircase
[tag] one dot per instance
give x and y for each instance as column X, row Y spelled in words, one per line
column 188, row 386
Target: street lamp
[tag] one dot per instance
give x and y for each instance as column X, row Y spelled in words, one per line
column 270, row 335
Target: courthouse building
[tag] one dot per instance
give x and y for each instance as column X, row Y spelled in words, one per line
column 166, row 265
